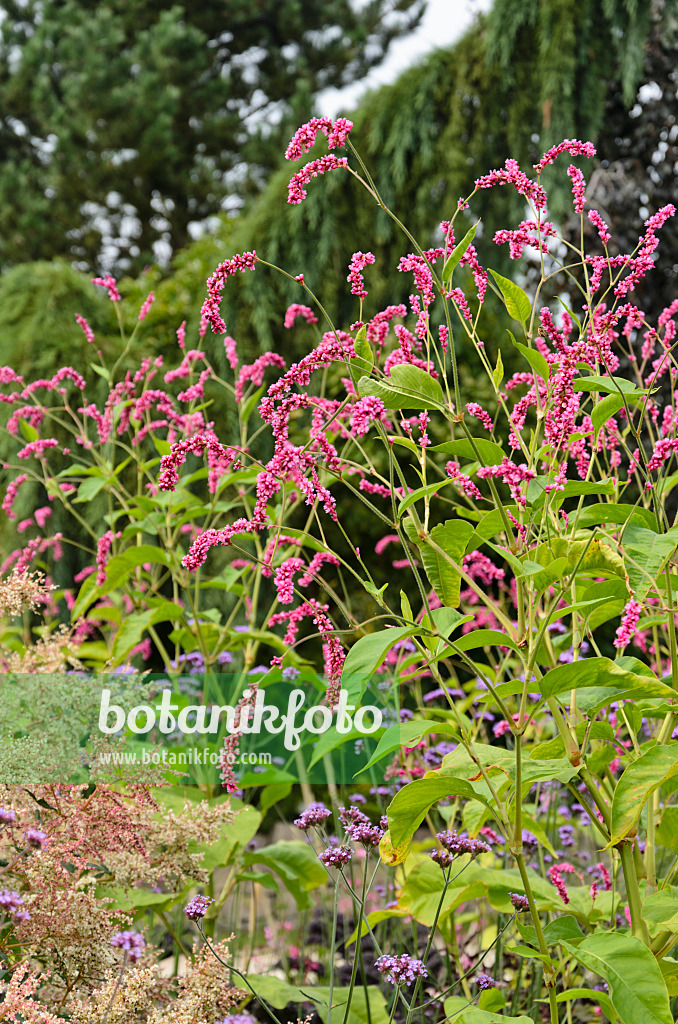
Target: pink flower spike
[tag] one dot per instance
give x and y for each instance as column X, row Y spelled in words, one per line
column 337, row 133
column 109, row 284
column 359, row 261
column 143, row 312
column 86, row 329
column 297, row 310
column 572, row 146
column 600, row 225
column 296, row 191
column 626, row 629
column 578, row 187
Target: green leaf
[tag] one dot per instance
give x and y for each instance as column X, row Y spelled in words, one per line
column 599, row 998
column 606, row 385
column 484, row 638
column 602, row 412
column 489, row 452
column 367, row 654
column 458, row 1011
column 249, row 405
column 452, row 536
column 537, row 361
column 636, row 987
column 28, row 430
column 410, row 806
column 660, row 911
column 421, row 492
column 407, row 734
column 639, row 780
column 408, row 387
column 517, row 303
column 453, row 259
column 600, row 674
column 498, row 372
column 297, row 866
column 89, row 489
column 135, row 625
column 645, row 554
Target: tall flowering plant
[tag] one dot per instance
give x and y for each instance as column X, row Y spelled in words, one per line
column 529, row 612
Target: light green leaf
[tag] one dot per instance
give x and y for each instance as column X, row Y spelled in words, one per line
column 660, row 911
column 458, row 1011
column 606, row 385
column 411, row 804
column 453, row 259
column 498, row 372
column 367, row 654
column 297, row 866
column 408, row 387
column 537, row 361
column 407, row 734
column 452, row 536
column 603, row 411
column 421, row 492
column 636, row 987
column 481, row 448
column 636, row 785
column 517, row 303
column 645, row 554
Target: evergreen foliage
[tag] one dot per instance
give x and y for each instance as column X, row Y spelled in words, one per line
column 123, row 122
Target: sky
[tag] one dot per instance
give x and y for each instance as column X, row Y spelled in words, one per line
column 443, row 22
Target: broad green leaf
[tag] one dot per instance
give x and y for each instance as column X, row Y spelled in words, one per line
column 362, row 347
column 452, row 536
column 368, row 653
column 645, row 554
column 408, row 387
column 537, row 361
column 517, row 303
column 599, row 998
column 297, row 866
column 249, row 405
column 418, row 495
column 660, row 911
column 636, row 785
column 600, row 673
column 636, row 987
column 458, row 1011
column 484, row 638
column 453, row 259
column 89, row 489
column 410, row 806
column 611, row 512
column 135, row 625
column 487, row 451
column 28, row 430
column 408, row 734
column 605, row 385
column 603, row 411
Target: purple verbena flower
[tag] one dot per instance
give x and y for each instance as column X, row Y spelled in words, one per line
column 314, row 816
column 132, row 943
column 197, row 907
column 36, row 838
column 402, row 969
column 484, row 981
column 335, row 856
column 520, row 902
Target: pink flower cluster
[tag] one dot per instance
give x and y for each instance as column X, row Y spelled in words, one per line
column 337, row 133
column 254, row 372
column 296, row 310
column 296, row 192
column 210, row 308
column 109, row 284
column 627, row 627
column 86, row 329
column 511, row 474
column 37, row 448
column 359, row 261
column 572, row 146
